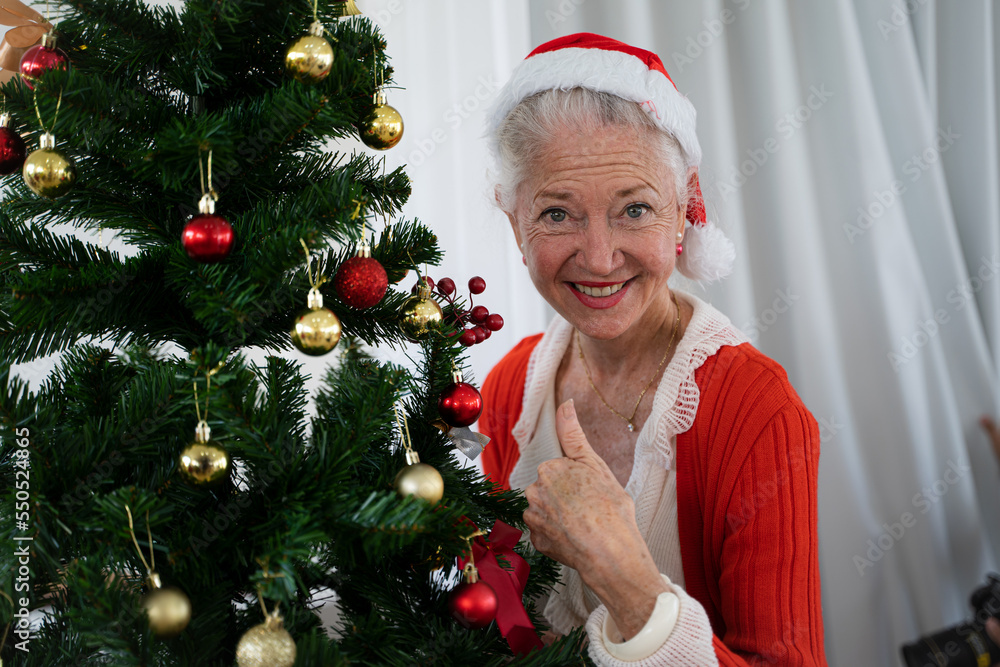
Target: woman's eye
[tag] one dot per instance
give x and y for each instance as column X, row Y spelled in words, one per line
column 635, row 211
column 555, row 215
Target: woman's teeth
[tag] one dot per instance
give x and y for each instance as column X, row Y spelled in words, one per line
column 599, row 291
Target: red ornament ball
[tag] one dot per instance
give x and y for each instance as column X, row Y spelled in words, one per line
column 494, row 322
column 474, row 605
column 460, row 404
column 12, row 151
column 39, row 59
column 207, row 237
column 479, row 333
column 361, row 282
column 477, row 285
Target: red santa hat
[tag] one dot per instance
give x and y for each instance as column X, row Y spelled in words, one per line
column 586, row 60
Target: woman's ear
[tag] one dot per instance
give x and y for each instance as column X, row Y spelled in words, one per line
column 517, row 230
column 692, row 185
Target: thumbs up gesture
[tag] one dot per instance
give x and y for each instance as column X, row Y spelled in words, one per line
column 581, row 516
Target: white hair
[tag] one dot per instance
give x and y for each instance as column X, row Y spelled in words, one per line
column 521, row 136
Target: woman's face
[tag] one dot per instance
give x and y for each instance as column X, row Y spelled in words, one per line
column 597, row 219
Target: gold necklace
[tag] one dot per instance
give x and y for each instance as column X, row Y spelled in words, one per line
column 586, row 368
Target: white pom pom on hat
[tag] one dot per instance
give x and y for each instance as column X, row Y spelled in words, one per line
column 586, row 60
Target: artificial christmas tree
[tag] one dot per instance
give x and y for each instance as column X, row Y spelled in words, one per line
column 290, row 506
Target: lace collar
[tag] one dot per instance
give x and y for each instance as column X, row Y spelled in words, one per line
column 675, row 402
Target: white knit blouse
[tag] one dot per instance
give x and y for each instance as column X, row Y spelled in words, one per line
column 652, row 483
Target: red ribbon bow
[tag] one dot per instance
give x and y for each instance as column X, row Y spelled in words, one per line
column 509, row 585
column 29, row 26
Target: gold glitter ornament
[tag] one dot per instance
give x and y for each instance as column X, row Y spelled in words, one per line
column 266, row 645
column 309, row 58
column 384, row 128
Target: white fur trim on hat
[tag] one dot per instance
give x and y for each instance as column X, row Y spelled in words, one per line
column 708, row 254
column 605, row 71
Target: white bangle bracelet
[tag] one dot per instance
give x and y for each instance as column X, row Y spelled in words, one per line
column 652, row 636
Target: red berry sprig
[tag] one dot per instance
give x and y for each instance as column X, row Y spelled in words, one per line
column 477, row 323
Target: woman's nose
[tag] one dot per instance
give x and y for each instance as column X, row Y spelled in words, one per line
column 597, row 253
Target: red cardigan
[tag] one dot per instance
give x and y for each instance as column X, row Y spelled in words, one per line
column 746, row 501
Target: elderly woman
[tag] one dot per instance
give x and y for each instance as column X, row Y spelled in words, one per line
column 668, row 465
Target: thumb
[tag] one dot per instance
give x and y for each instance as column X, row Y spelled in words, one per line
column 571, row 437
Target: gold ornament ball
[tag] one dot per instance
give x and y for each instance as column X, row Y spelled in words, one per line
column 203, row 464
column 418, row 316
column 49, row 173
column 169, row 611
column 316, row 331
column 384, row 129
column 422, row 481
column 309, row 59
column 264, row 646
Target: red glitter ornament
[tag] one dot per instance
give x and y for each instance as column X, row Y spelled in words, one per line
column 460, row 404
column 41, row 58
column 12, row 148
column 361, row 281
column 207, row 237
column 473, row 603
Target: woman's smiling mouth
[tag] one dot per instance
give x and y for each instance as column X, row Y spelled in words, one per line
column 593, row 290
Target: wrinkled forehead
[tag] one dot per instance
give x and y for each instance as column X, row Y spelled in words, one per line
column 608, row 158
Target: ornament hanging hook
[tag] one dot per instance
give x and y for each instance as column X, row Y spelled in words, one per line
column 208, row 389
column 55, row 118
column 358, row 205
column 470, row 562
column 375, row 69
column 209, row 190
column 404, row 429
column 414, row 265
column 319, row 279
column 260, row 591
column 150, row 567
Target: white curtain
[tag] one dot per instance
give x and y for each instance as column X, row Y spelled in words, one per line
column 851, row 153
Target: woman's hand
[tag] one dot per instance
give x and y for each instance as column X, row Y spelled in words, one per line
column 581, row 516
